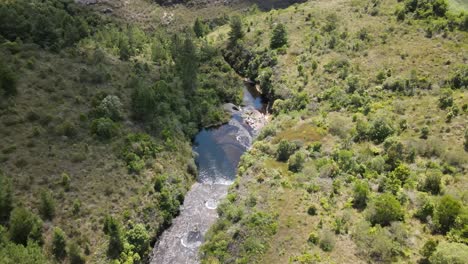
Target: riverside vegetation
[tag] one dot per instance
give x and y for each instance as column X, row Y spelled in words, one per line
column 364, row 160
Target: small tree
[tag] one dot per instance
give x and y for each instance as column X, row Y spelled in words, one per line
column 199, row 28
column 446, row 98
column 47, row 206
column 385, row 209
column 361, row 192
column 447, row 212
column 116, row 243
column 285, row 150
column 75, row 255
column 59, row 244
column 380, row 129
column 138, row 236
column 7, row 81
column 279, row 37
column 449, row 253
column 24, row 225
column 237, row 31
column 296, row 162
column 6, row 199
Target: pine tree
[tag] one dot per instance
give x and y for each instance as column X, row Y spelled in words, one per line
column 47, row 206
column 199, row 28
column 6, row 199
column 279, row 37
column 237, row 31
column 59, row 244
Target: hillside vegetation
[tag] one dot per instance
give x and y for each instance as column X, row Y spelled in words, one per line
column 365, row 158
column 97, row 116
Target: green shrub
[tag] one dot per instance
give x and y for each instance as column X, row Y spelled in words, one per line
column 66, row 181
column 425, row 210
column 111, row 107
column 313, row 238
column 459, row 77
column 285, row 150
column 74, row 255
column 361, row 191
column 138, row 237
column 6, row 198
column 104, row 128
column 425, row 132
column 385, row 209
column 59, row 244
column 312, row 210
column 279, row 37
column 327, row 241
column 446, row 98
column 47, row 205
column 8, row 80
column 116, row 241
column 380, row 129
column 12, row 253
column 24, row 225
column 428, row 249
column 433, row 181
column 450, row 253
column 296, row 162
column 447, row 211
column 237, row 31
column 402, row 172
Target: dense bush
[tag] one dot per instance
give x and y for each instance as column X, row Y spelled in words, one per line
column 450, row 253
column 104, row 128
column 8, row 80
column 24, row 225
column 459, row 77
column 446, row 98
column 285, row 150
column 74, row 254
column 426, row 8
column 6, row 198
column 59, row 244
column 425, row 210
column 111, row 107
column 52, row 23
column 447, row 211
column 296, row 161
column 327, row 241
column 361, row 192
column 138, row 237
column 432, row 182
column 47, row 205
column 385, row 209
column 11, row 253
column 380, row 129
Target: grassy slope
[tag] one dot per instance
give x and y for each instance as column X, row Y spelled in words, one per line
column 284, row 193
column 51, row 88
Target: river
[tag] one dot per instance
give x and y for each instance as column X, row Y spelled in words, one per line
column 218, row 154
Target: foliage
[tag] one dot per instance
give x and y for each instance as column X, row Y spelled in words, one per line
column 433, row 182
column 59, row 244
column 380, row 129
column 74, row 254
column 138, row 237
column 327, row 241
column 8, row 80
column 459, row 77
column 137, row 149
column 385, row 209
column 47, row 205
column 6, row 198
column 453, row 253
column 116, row 241
column 446, row 98
column 24, row 226
column 296, row 161
column 104, row 128
column 285, row 150
column 52, row 23
column 279, row 37
column 12, row 253
column 199, row 28
column 361, row 192
column 111, row 107
column 447, row 210
column 237, row 31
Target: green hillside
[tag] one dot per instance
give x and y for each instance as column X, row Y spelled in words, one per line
column 364, row 159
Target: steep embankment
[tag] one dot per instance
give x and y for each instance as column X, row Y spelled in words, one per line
column 365, row 158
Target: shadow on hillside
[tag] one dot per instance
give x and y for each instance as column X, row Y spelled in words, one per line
column 274, row 4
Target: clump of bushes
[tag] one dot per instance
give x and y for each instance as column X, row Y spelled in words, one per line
column 447, row 211
column 8, row 80
column 385, row 209
column 104, row 128
column 111, row 107
column 285, row 150
column 361, row 192
column 296, row 161
column 327, row 241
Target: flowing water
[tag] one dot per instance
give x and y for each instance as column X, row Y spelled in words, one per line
column 218, row 154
